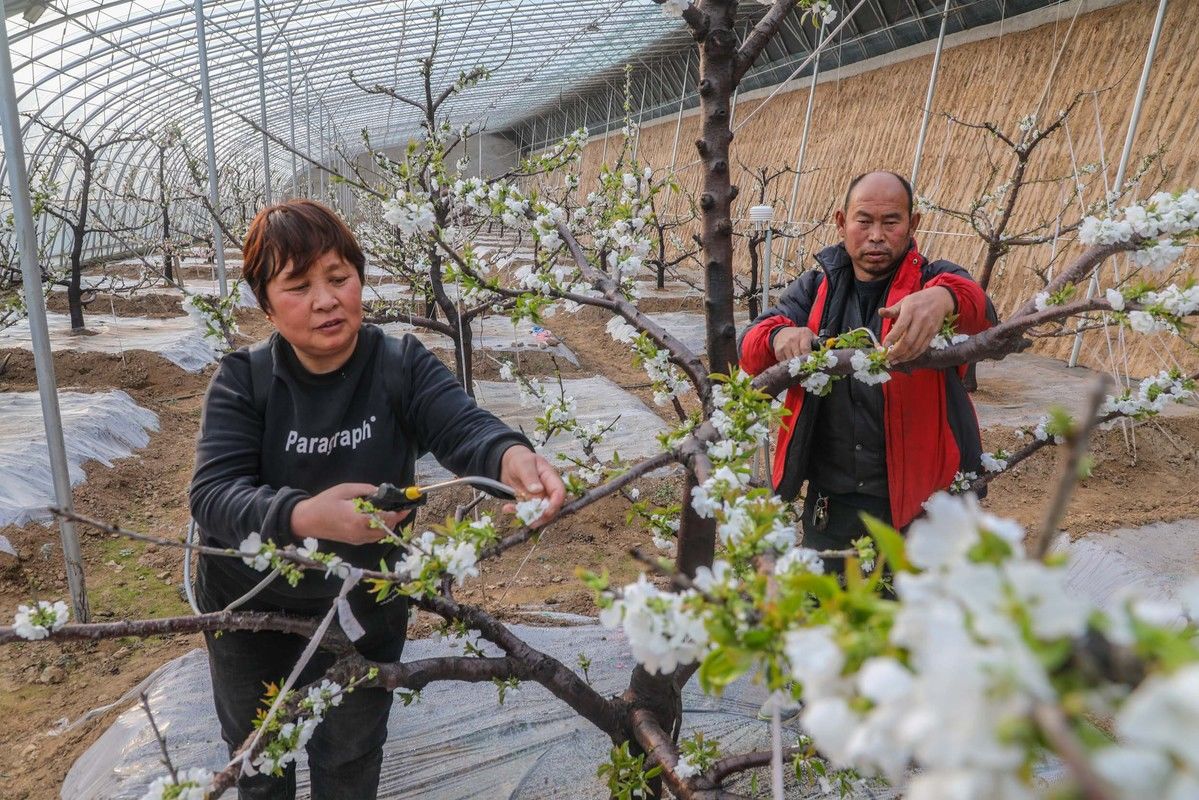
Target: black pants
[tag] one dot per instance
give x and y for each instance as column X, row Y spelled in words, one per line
column 345, row 753
column 842, row 523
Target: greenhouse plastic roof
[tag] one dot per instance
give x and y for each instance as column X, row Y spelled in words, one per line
column 109, row 67
column 117, row 66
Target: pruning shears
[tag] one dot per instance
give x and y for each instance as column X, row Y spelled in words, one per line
column 389, row 497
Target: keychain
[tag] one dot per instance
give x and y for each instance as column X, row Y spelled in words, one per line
column 820, row 513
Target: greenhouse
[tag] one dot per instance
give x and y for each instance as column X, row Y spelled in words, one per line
column 630, row 399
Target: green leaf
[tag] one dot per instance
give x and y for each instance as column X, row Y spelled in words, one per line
column 723, row 666
column 890, row 543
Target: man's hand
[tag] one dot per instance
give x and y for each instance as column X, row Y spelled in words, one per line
column 917, row 317
column 792, row 342
column 331, row 515
column 531, row 475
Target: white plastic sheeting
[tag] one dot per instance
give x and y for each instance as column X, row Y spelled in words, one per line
column 686, row 326
column 456, row 742
column 102, row 427
column 1155, row 561
column 180, row 340
column 496, row 334
column 598, row 400
column 671, row 290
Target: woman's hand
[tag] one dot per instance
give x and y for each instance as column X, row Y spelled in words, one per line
column 331, row 515
column 531, row 475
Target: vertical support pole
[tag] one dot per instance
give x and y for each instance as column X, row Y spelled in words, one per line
column 1126, row 154
column 26, row 236
column 607, row 132
column 640, row 114
column 266, row 152
column 678, row 121
column 308, row 138
column 322, row 176
column 803, row 144
column 928, row 97
column 218, row 238
column 291, row 124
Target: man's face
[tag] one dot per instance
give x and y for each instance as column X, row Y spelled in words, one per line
column 876, row 226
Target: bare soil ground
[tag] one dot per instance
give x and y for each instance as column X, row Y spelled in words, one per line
column 44, row 684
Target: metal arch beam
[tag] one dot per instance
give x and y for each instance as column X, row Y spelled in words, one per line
column 128, row 44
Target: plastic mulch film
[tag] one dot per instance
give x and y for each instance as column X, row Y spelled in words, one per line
column 179, row 340
column 686, row 326
column 1155, row 561
column 496, row 334
column 103, row 427
column 455, row 742
column 634, row 433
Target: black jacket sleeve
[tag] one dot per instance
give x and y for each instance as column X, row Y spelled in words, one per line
column 227, row 499
column 441, row 418
column 795, row 302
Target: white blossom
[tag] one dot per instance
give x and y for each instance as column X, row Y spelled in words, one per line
column 41, row 619
column 684, row 768
column 254, row 552
column 412, row 216
column 992, row 464
column 662, row 632
column 940, row 342
column 802, row 559
column 460, row 559
column 529, row 511
column 192, row 784
column 1115, row 299
column 865, row 371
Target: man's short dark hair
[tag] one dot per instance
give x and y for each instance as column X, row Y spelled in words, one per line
column 296, row 232
column 907, row 187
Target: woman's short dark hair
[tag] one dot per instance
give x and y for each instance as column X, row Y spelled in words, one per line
column 296, row 232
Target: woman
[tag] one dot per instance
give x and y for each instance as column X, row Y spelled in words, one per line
column 293, row 430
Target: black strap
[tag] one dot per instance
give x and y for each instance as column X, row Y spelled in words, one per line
column 262, row 374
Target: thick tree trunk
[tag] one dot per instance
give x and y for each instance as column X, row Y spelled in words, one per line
column 718, row 52
column 74, row 288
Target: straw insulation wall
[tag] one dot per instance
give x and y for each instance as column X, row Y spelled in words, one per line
column 870, row 120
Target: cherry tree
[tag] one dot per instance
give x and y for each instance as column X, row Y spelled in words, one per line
column 976, row 665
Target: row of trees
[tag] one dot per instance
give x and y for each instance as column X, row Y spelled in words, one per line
column 977, row 665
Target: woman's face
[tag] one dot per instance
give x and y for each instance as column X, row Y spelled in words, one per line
column 318, row 313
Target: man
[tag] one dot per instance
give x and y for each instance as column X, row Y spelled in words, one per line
column 883, row 449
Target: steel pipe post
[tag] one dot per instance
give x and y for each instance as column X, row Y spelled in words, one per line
column 31, row 274
column 928, row 97
column 266, row 150
column 1126, row 154
column 803, row 145
column 218, row 238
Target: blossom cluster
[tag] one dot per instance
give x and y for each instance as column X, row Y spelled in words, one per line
column 814, row 368
column 1160, row 226
column 40, row 619
column 1161, row 310
column 870, row 366
column 189, row 784
column 451, row 549
column 662, row 628
column 287, row 740
column 970, row 654
column 1152, row 395
column 666, row 380
column 411, row 212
